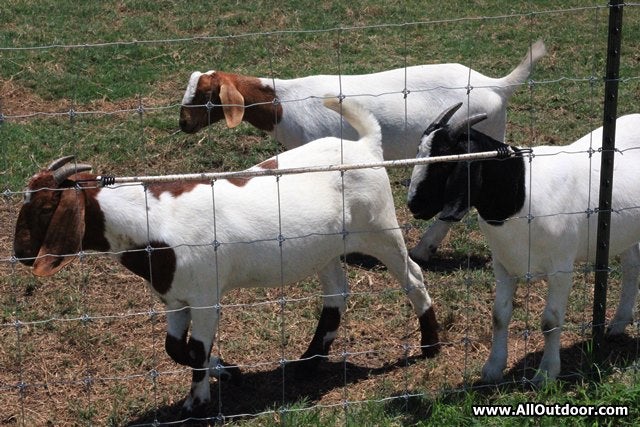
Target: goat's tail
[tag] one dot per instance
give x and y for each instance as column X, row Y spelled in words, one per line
column 361, row 119
column 520, row 74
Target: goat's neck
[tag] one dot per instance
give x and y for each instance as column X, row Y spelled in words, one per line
column 262, row 111
column 502, row 189
column 94, row 234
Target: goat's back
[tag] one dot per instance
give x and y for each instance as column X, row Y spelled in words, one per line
column 430, row 89
column 563, row 196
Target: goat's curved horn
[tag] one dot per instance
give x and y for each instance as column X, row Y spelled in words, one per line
column 462, row 125
column 69, row 169
column 56, row 164
column 445, row 116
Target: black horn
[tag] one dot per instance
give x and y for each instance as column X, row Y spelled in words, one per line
column 446, row 115
column 464, row 124
column 62, row 169
column 57, row 164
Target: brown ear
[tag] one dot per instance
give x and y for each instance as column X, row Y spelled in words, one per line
column 232, row 104
column 64, row 235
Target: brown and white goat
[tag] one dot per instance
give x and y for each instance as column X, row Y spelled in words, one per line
column 402, row 100
column 195, row 241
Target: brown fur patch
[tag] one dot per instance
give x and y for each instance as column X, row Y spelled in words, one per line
column 239, row 182
column 271, row 163
column 157, row 266
column 175, row 188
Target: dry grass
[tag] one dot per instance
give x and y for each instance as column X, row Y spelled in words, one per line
column 101, row 370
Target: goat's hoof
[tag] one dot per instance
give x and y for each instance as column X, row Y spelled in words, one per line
column 542, row 379
column 421, row 259
column 431, row 351
column 225, row 372
column 490, row 375
column 193, row 408
column 615, row 330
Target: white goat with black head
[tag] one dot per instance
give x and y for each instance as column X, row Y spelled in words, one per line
column 402, row 100
column 537, row 216
column 195, row 242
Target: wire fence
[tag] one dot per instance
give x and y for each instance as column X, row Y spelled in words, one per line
column 87, row 345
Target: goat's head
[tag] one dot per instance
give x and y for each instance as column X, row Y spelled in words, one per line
column 210, row 97
column 443, row 187
column 50, row 225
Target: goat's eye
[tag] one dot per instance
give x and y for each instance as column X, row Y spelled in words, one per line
column 46, row 210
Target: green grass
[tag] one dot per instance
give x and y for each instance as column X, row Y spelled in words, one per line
column 87, row 69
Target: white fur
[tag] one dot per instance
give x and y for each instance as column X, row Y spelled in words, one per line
column 431, row 89
column 560, row 188
column 307, row 213
column 190, row 92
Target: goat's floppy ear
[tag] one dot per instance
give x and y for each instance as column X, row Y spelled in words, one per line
column 64, row 235
column 232, row 104
column 457, row 202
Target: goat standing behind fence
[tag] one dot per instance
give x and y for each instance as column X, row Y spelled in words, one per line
column 402, row 100
column 194, row 241
column 538, row 218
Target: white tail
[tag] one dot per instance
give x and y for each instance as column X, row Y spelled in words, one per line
column 357, row 116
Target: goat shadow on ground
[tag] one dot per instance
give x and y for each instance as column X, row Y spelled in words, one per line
column 620, row 353
column 450, row 261
column 262, row 391
column 439, row 262
column 257, row 392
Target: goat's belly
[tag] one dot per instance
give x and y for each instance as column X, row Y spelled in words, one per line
column 278, row 263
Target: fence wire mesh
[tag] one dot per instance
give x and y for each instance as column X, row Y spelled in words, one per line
column 86, row 346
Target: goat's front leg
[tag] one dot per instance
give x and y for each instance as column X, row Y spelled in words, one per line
column 502, row 310
column 175, row 344
column 551, row 325
column 630, row 260
column 334, row 288
column 429, row 242
column 204, row 324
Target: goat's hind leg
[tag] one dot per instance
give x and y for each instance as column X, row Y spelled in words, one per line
column 334, row 287
column 392, row 252
column 630, row 260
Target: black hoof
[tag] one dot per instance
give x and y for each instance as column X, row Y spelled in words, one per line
column 193, row 415
column 226, row 372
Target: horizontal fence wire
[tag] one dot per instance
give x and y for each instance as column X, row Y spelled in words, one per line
column 146, row 109
column 313, row 31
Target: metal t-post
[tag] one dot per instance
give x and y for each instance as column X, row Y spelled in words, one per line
column 606, row 175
